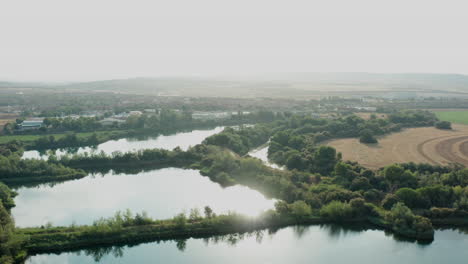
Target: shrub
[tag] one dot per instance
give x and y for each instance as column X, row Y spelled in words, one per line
column 366, row 136
column 389, row 201
column 443, row 125
column 337, row 211
column 300, row 209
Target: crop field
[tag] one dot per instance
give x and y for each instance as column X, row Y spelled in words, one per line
column 426, row 145
column 459, row 117
column 6, row 118
column 367, row 116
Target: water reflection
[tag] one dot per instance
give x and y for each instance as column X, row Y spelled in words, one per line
column 182, row 139
column 296, row 244
column 262, row 154
column 161, row 193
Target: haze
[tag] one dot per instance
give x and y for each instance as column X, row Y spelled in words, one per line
column 90, row 40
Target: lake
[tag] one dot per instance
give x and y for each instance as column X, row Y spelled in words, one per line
column 296, row 244
column 182, row 139
column 162, row 193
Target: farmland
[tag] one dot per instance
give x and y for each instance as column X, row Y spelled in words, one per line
column 459, row 117
column 6, row 118
column 420, row 145
column 367, row 116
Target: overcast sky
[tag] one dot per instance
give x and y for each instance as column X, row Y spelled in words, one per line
column 60, row 40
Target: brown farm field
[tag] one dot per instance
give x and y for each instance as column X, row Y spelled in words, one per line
column 420, row 145
column 6, row 118
column 366, row 116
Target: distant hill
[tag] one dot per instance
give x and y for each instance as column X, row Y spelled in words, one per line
column 4, row 84
column 276, row 85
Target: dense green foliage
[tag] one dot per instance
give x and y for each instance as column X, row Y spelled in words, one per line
column 240, row 140
column 72, row 140
column 404, row 221
column 443, row 125
column 13, row 169
column 10, row 242
column 366, row 136
column 147, row 157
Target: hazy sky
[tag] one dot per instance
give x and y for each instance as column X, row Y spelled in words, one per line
column 99, row 39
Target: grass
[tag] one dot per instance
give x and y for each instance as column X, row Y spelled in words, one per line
column 459, row 117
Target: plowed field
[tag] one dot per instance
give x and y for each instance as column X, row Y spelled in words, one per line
column 427, row 144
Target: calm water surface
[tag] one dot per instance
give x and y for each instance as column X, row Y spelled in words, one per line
column 161, row 193
column 313, row 244
column 183, row 140
column 262, row 154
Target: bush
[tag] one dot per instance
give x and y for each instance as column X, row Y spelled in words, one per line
column 389, row 201
column 366, row 136
column 180, row 220
column 443, row 125
column 359, row 207
column 411, row 198
column 337, row 211
column 300, row 209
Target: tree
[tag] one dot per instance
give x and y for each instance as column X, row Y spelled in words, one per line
column 300, row 209
column 411, row 198
column 295, row 161
column 400, row 215
column 443, row 125
column 6, row 196
column 194, row 215
column 360, row 183
column 208, row 212
column 325, row 159
column 180, row 220
column 336, row 211
column 389, row 201
column 359, row 206
column 398, row 177
column 366, row 136
column 437, row 195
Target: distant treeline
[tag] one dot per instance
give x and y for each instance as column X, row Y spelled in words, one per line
column 166, row 122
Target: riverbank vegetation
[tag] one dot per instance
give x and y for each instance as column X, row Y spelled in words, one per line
column 11, row 242
column 14, row 170
column 242, row 140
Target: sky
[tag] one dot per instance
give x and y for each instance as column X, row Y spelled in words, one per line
column 61, row 40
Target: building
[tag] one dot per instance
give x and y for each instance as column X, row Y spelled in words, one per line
column 31, row 124
column 111, row 121
column 366, row 108
column 210, row 115
column 135, row 113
